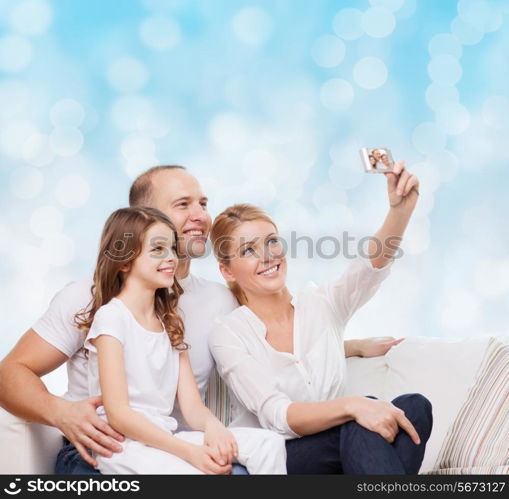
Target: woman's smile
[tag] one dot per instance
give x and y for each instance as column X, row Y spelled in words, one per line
column 271, row 271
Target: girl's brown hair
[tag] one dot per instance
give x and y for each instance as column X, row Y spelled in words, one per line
column 221, row 236
column 121, row 243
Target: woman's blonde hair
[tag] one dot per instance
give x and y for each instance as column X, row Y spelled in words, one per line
column 221, row 236
column 121, row 243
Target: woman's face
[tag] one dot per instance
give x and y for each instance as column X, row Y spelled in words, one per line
column 257, row 259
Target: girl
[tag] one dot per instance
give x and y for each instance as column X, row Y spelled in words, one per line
column 293, row 347
column 138, row 361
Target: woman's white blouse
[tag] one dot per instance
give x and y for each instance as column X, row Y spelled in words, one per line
column 264, row 381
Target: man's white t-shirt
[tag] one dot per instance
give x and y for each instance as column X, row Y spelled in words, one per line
column 200, row 303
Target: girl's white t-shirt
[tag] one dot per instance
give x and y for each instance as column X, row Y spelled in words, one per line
column 201, row 302
column 151, row 363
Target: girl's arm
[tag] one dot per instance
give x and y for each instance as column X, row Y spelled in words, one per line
column 131, row 423
column 196, row 414
column 199, row 417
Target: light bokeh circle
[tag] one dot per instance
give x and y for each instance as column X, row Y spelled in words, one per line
column 438, row 96
column 31, row 17
column 127, row 74
column 337, row 94
column 445, row 43
column 483, row 15
column 392, row 5
column 378, row 22
column 453, row 118
column 46, row 220
column 495, row 112
column 160, row 33
column 72, row 191
column 427, row 138
column 15, row 53
column 252, row 26
column 67, row 112
column 37, row 150
column 465, row 33
column 370, row 73
column 26, row 182
column 347, row 24
column 328, row 51
column 444, row 69
column 66, row 140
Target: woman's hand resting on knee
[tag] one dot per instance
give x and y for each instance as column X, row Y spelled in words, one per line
column 383, row 418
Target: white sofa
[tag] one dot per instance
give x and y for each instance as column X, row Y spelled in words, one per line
column 444, row 370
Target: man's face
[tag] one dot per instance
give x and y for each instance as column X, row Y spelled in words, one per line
column 179, row 196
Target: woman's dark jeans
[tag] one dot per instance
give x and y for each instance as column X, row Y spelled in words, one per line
column 351, row 449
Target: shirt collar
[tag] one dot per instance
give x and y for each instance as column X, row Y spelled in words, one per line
column 255, row 322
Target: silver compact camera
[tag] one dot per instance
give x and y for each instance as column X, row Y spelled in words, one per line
column 377, row 160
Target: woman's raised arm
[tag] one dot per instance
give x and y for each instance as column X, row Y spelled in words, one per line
column 403, row 191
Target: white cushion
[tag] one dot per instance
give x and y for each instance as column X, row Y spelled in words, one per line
column 28, row 448
column 366, row 376
column 443, row 370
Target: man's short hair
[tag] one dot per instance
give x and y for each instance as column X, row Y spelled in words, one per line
column 140, row 193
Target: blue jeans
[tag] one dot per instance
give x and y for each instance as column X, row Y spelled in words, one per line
column 70, row 462
column 351, row 449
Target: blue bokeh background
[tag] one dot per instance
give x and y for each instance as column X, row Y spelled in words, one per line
column 266, row 102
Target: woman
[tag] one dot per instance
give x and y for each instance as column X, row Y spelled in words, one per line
column 284, row 358
column 139, row 364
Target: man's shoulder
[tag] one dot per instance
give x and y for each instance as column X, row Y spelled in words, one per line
column 202, row 282
column 214, row 290
column 57, row 324
column 75, row 293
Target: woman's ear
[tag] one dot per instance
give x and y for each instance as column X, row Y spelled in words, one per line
column 226, row 272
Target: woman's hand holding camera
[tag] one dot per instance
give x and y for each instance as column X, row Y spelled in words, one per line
column 402, row 187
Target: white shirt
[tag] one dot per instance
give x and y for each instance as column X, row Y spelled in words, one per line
column 265, row 381
column 151, row 363
column 201, row 302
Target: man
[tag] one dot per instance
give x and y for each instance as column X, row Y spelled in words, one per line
column 54, row 339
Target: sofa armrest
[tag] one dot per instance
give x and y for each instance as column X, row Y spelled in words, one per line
column 30, row 448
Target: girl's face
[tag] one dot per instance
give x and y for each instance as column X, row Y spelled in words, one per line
column 157, row 262
column 258, row 263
